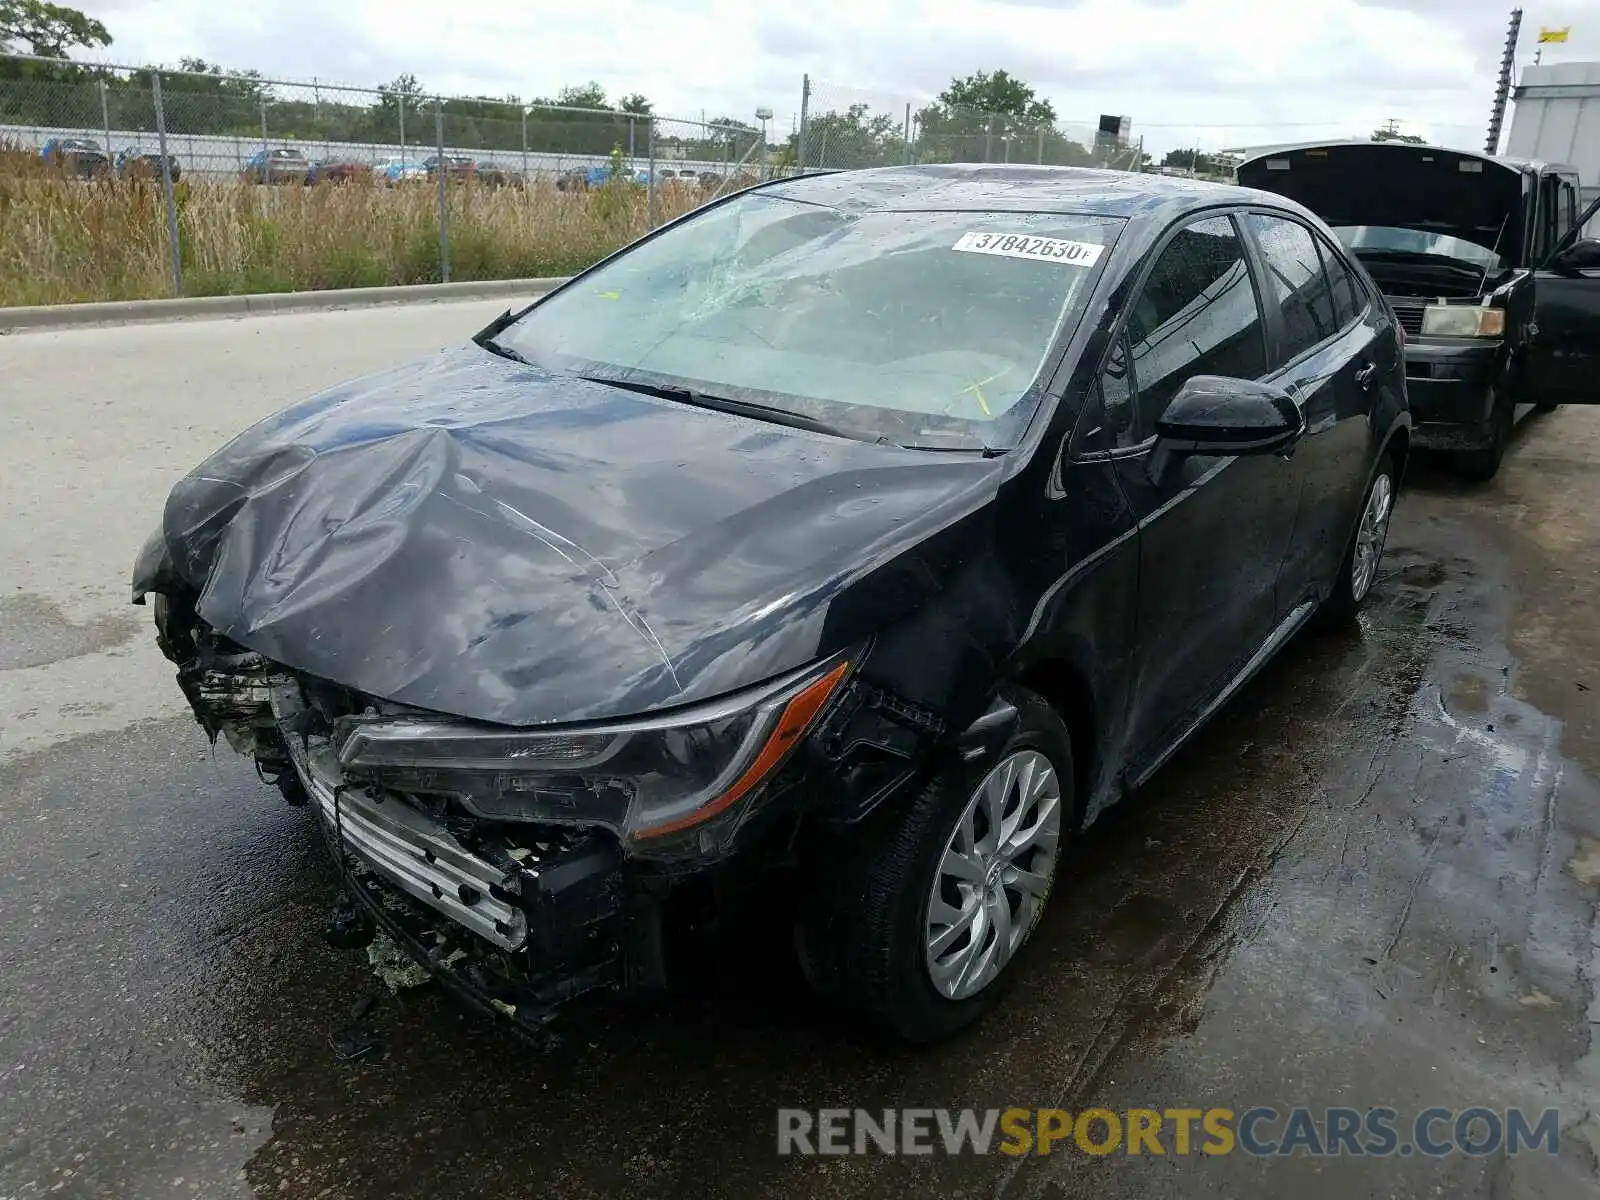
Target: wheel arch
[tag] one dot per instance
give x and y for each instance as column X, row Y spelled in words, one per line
column 1399, row 445
column 1067, row 690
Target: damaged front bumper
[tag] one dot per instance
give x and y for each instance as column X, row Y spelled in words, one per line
column 517, row 918
column 521, row 867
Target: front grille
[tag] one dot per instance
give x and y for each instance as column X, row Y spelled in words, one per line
column 1409, row 314
column 406, row 846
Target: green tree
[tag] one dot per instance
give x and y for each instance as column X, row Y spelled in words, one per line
column 63, row 94
column 850, row 139
column 588, row 95
column 403, row 89
column 48, row 30
column 992, row 116
column 1391, row 133
column 636, row 104
column 999, row 93
column 593, row 132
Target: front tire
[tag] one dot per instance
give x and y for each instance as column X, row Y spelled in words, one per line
column 1480, row 466
column 1359, row 570
column 917, row 923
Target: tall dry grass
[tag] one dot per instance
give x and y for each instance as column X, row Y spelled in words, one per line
column 64, row 240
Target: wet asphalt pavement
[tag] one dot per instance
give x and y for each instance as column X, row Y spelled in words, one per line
column 1371, row 881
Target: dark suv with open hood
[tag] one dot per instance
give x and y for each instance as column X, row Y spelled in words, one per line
column 1481, row 260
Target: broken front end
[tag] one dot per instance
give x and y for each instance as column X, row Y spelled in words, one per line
column 525, row 867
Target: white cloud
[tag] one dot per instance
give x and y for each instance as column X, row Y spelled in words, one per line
column 1200, row 72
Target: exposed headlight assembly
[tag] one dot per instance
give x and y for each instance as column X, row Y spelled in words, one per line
column 645, row 779
column 1463, row 320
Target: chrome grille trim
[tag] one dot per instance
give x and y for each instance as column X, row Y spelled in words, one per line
column 402, row 844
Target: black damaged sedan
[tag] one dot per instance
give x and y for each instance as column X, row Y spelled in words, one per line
column 857, row 539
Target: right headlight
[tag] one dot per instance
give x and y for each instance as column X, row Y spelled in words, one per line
column 1463, row 320
column 646, row 779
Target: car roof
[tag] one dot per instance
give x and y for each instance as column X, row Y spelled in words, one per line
column 957, row 187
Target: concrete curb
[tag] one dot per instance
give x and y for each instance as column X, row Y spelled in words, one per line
column 121, row 312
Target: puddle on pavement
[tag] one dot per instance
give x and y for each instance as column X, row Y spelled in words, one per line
column 34, row 632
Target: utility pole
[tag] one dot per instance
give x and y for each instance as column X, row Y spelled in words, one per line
column 1502, row 87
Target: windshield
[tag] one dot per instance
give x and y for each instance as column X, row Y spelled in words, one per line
column 923, row 328
column 1395, row 240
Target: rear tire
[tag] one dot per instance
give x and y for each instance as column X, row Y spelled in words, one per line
column 1359, row 570
column 867, row 936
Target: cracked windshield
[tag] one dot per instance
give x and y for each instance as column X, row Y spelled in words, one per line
column 914, row 327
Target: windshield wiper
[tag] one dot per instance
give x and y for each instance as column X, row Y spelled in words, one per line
column 983, row 451
column 485, row 336
column 741, row 408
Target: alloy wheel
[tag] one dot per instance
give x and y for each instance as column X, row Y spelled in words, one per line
column 1371, row 535
column 995, row 873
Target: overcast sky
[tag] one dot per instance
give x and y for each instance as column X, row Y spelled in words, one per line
column 1188, row 72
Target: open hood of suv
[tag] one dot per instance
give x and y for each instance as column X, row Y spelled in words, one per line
column 1399, row 184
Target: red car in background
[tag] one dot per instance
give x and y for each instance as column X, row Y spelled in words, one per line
column 340, row 170
column 459, row 167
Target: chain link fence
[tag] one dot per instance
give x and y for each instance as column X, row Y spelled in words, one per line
column 846, row 128
column 236, row 182
column 230, row 182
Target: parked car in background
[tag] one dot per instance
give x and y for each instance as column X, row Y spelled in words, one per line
column 1482, row 261
column 82, row 157
column 281, row 165
column 599, row 176
column 340, row 170
column 133, row 163
column 458, row 167
column 979, row 531
column 400, row 170
column 493, row 174
column 574, row 180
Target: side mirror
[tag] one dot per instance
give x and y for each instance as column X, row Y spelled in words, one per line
column 1213, row 414
column 1582, row 255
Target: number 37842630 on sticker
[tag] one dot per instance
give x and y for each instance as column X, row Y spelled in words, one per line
column 1022, row 245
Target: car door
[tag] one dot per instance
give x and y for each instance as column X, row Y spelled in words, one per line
column 1213, row 530
column 1562, row 356
column 1329, row 356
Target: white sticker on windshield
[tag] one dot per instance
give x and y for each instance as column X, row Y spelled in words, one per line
column 1021, row 245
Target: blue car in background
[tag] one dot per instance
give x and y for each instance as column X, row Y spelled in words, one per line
column 82, row 157
column 596, row 176
column 400, row 170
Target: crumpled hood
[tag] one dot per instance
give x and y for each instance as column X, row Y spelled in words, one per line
column 482, row 538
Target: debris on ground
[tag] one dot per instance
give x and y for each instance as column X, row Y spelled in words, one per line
column 357, row 1040
column 393, row 965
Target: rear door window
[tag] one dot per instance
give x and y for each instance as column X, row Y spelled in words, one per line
column 1349, row 297
column 1296, row 284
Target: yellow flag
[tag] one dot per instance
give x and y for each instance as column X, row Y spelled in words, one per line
column 1554, row 35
